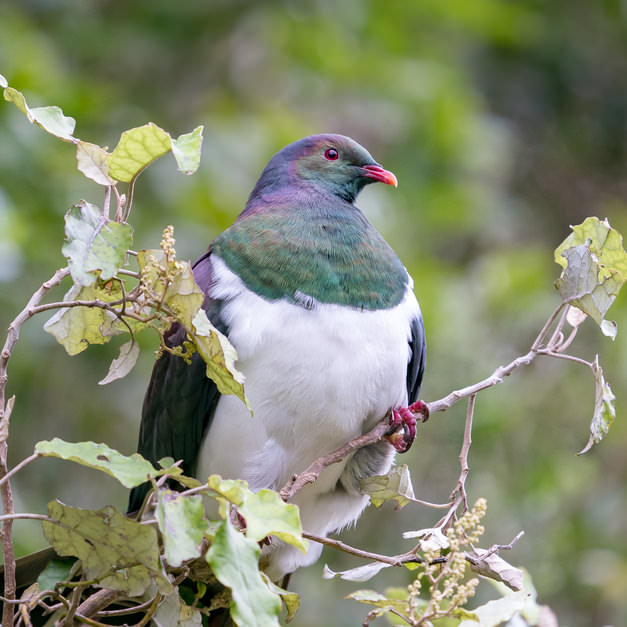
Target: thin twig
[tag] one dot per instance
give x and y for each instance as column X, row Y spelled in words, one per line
column 297, row 482
column 18, row 467
column 395, row 560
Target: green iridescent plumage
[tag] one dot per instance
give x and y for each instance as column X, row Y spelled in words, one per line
column 301, row 238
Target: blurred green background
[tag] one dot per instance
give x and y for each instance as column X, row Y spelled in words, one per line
column 504, row 121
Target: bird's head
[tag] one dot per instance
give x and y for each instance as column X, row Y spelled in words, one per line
column 329, row 162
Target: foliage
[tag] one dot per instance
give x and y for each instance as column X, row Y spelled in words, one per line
column 113, row 299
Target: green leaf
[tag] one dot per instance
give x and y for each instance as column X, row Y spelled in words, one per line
column 130, row 471
column 604, row 408
column 220, row 357
column 122, row 365
column 267, row 514
column 77, row 327
column 291, row 600
column 138, row 148
column 594, row 269
column 234, row 560
column 50, row 119
column 121, row 554
column 94, row 246
column 93, row 162
column 499, row 611
column 186, row 150
column 395, row 486
column 182, row 524
column 56, row 570
column 233, row 490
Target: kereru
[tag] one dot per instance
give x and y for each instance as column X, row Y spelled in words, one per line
column 328, row 333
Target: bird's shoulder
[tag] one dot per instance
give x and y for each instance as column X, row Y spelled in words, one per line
column 322, row 247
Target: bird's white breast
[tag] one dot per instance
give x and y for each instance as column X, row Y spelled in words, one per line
column 315, row 378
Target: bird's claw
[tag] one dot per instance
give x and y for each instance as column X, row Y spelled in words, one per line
column 405, row 417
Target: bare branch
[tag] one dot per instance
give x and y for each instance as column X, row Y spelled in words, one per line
column 395, row 560
column 297, row 482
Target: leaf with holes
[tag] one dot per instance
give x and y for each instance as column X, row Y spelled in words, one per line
column 130, row 471
column 594, row 269
column 119, row 553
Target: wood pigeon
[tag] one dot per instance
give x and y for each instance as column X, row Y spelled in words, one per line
column 328, row 333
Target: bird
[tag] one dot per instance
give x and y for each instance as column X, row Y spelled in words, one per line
column 328, row 333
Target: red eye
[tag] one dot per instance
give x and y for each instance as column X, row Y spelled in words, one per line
column 331, row 154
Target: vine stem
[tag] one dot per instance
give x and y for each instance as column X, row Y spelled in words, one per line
column 13, row 335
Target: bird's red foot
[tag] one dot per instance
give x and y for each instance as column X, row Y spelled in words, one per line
column 405, row 417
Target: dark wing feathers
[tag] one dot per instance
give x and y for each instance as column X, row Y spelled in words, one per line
column 416, row 365
column 180, row 399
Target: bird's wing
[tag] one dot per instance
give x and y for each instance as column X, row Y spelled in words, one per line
column 417, row 360
column 180, row 400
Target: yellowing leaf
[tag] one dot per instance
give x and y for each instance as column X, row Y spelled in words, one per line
column 594, row 269
column 137, row 149
column 50, row 119
column 120, row 553
column 130, row 471
column 220, row 357
column 93, row 162
column 395, row 486
column 94, row 246
column 77, row 327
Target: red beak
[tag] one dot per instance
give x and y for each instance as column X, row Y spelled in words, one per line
column 377, row 173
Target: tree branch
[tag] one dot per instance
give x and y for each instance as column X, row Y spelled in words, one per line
column 13, row 335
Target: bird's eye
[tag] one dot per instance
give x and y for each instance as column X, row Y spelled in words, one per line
column 331, row 154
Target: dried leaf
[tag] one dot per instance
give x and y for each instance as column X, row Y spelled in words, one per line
column 604, row 408
column 361, row 573
column 93, row 162
column 495, row 567
column 124, row 363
